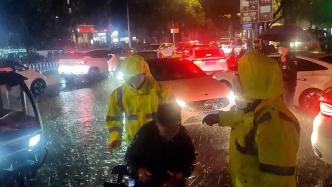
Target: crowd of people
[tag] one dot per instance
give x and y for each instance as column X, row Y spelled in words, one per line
column 264, row 138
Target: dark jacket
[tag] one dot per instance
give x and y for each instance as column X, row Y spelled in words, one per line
column 289, row 72
column 148, row 150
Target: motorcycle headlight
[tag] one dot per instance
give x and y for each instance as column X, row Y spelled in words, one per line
column 33, row 141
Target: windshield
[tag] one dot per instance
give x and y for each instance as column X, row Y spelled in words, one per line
column 16, row 111
column 206, row 53
column 163, row 71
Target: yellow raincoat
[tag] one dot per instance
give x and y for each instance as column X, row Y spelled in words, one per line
column 134, row 106
column 265, row 139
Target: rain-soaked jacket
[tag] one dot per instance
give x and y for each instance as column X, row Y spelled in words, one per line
column 134, row 107
column 264, row 138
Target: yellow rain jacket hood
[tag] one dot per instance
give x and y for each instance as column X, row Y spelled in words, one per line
column 132, row 107
column 135, row 65
column 265, row 136
column 260, row 76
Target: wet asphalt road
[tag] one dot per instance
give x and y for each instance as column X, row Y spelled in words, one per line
column 73, row 118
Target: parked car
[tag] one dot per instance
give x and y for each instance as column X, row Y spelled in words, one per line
column 84, row 64
column 162, row 50
column 209, row 59
column 195, row 91
column 314, row 76
column 36, row 81
column 21, row 133
column 321, row 137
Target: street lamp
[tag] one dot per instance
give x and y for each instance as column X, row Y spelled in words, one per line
column 128, row 25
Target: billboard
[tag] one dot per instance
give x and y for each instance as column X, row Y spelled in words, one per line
column 256, row 11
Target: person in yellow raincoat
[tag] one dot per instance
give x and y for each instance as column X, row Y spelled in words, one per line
column 135, row 102
column 265, row 134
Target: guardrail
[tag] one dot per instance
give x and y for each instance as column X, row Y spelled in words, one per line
column 44, row 66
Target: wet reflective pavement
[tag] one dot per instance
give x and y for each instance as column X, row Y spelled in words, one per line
column 75, row 135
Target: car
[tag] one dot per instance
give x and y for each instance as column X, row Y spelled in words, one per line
column 36, row 81
column 162, row 50
column 194, row 90
column 84, row 64
column 226, row 45
column 314, row 76
column 209, row 59
column 321, row 139
column 21, row 134
column 184, row 49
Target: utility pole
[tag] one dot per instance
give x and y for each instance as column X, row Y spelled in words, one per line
column 128, row 25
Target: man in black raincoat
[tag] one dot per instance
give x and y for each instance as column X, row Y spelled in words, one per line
column 161, row 153
column 288, row 67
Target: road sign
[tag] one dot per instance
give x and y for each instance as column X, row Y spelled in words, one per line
column 256, row 11
column 249, row 17
column 175, row 30
column 265, row 11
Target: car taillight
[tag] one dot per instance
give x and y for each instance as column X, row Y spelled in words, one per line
column 222, row 60
column 197, row 62
column 326, row 108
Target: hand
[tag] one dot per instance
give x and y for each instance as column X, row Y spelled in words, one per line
column 115, row 144
column 211, row 119
column 144, row 175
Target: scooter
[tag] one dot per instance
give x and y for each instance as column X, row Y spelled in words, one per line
column 22, row 151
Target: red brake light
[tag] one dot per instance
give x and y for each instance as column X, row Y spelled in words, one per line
column 326, row 108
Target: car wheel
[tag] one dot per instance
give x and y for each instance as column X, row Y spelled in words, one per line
column 227, row 83
column 93, row 74
column 38, row 86
column 309, row 100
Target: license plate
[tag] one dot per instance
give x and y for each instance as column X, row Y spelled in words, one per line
column 210, row 62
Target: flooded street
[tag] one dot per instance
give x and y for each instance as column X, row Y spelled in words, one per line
column 75, row 136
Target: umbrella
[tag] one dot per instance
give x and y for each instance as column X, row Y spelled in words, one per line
column 286, row 33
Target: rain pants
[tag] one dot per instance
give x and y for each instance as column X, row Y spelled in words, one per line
column 265, row 139
column 130, row 106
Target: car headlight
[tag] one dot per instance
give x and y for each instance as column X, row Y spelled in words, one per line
column 181, row 103
column 33, row 141
column 231, row 97
column 119, row 76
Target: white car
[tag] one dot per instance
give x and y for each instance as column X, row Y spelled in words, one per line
column 321, row 137
column 162, row 50
column 313, row 76
column 36, row 81
column 195, row 91
column 209, row 59
column 84, row 64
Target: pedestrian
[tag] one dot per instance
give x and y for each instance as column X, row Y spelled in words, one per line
column 134, row 103
column 288, row 67
column 161, row 153
column 114, row 60
column 265, row 135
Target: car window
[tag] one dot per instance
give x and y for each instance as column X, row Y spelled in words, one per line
column 176, row 70
column 327, row 59
column 305, row 65
column 98, row 54
column 205, row 53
